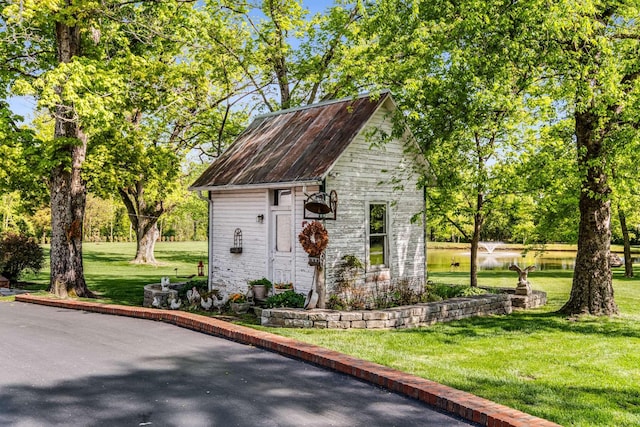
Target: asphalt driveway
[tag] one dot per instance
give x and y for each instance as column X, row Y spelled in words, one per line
column 68, row 367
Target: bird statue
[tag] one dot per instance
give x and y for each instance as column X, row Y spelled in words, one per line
column 193, row 295
column 523, row 287
column 219, row 301
column 206, row 303
column 157, row 302
column 174, row 304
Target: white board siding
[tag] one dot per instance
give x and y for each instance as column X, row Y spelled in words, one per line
column 231, row 210
column 375, row 174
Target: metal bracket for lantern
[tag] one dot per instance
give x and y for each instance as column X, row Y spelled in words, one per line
column 237, row 242
column 321, row 205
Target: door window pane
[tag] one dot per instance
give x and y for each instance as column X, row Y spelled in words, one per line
column 283, row 233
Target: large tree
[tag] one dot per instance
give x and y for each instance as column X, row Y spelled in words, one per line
column 461, row 70
column 291, row 58
column 46, row 39
column 72, row 56
column 594, row 70
column 181, row 94
column 581, row 55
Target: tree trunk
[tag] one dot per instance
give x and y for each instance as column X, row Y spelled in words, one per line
column 146, row 238
column 144, row 220
column 68, row 189
column 628, row 262
column 592, row 289
column 478, row 219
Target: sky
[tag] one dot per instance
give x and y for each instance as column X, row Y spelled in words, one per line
column 24, row 106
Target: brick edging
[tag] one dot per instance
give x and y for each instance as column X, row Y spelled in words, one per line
column 445, row 398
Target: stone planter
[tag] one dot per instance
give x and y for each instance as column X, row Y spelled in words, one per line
column 240, row 307
column 155, row 290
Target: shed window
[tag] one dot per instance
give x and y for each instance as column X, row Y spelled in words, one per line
column 378, row 239
column 282, row 198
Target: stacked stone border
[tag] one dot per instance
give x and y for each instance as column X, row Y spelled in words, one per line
column 411, row 316
column 465, row 405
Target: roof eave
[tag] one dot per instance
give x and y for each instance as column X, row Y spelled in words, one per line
column 259, row 186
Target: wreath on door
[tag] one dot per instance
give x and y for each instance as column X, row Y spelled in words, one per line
column 314, row 238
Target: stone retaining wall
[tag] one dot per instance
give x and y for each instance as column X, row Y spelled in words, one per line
column 400, row 317
column 397, row 317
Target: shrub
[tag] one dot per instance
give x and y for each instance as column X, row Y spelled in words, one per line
column 335, row 303
column 285, row 299
column 439, row 291
column 348, row 271
column 397, row 293
column 198, row 283
column 19, row 253
column 469, row 291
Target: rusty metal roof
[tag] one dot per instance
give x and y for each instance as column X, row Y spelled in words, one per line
column 295, row 145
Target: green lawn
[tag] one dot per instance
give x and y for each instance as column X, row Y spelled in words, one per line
column 581, row 372
column 114, row 279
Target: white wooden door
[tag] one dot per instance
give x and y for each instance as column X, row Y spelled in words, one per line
column 281, row 245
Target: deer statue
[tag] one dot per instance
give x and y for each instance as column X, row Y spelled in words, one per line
column 524, row 287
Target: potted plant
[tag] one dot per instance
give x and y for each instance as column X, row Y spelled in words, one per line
column 260, row 288
column 279, row 288
column 238, row 303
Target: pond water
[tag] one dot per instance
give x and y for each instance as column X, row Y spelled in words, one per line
column 442, row 259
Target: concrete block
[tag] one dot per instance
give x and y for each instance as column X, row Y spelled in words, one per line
column 324, row 315
column 375, row 315
column 351, row 315
column 332, row 324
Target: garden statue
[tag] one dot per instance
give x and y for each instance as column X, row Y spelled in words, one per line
column 524, row 287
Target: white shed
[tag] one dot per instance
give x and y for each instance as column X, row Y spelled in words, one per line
column 258, row 187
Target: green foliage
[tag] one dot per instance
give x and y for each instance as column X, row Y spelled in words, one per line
column 261, row 282
column 398, row 293
column 460, row 84
column 201, row 286
column 188, row 220
column 19, row 253
column 285, row 299
column 348, row 271
column 440, row 291
column 198, row 283
column 288, row 57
